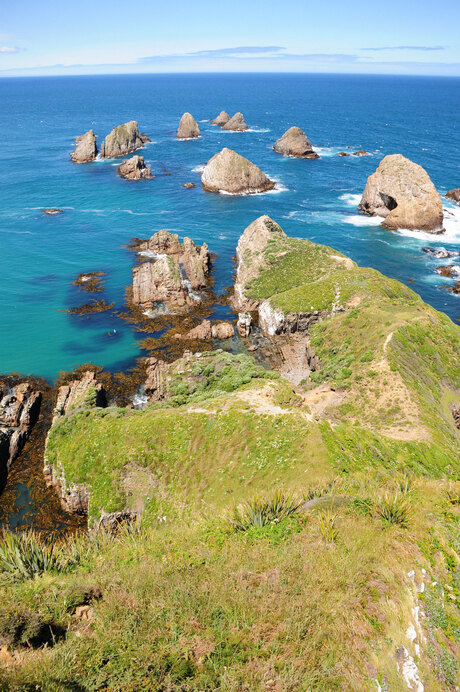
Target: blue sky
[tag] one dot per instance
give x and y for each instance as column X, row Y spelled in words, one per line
column 51, row 37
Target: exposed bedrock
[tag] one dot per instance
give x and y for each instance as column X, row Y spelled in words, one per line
column 230, row 172
column 19, row 410
column 402, row 193
column 221, row 119
column 174, row 273
column 235, row 123
column 295, row 142
column 208, row 330
column 85, row 149
column 123, row 140
column 188, row 127
column 134, row 169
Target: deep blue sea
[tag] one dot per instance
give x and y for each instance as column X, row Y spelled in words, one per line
column 316, row 199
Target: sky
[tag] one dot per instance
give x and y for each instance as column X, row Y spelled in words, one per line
column 64, row 37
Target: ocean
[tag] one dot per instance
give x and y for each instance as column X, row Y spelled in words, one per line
column 316, row 199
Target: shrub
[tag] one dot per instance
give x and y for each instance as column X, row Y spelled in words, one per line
column 24, row 555
column 260, row 511
column 394, row 509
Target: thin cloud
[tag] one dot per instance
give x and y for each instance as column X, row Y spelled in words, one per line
column 254, row 53
column 426, row 48
column 239, row 50
column 9, row 49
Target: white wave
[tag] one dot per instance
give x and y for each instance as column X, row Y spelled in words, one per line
column 327, row 151
column 205, row 120
column 454, row 268
column 192, row 294
column 151, row 254
column 222, row 236
column 362, row 220
column 140, row 399
column 350, row 199
column 279, row 187
column 258, row 129
column 451, row 224
column 187, row 139
column 198, row 169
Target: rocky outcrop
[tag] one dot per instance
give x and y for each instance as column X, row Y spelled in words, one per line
column 123, row 140
column 230, row 172
column 295, row 142
column 134, row 169
column 440, row 252
column 273, row 322
column 188, row 127
column 156, row 375
column 361, row 152
column 244, row 324
column 250, row 257
column 402, row 193
column 86, row 391
column 85, row 149
column 454, row 194
column 175, row 272
column 236, row 123
column 221, row 119
column 206, row 330
column 19, row 410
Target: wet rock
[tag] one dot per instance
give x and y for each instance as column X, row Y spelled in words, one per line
column 134, row 169
column 343, row 153
column 123, row 140
column 440, row 252
column 85, row 149
column 454, row 194
column 52, row 211
column 402, row 193
column 230, row 172
column 250, row 259
column 361, row 152
column 295, row 142
column 19, row 410
column 207, row 330
column 450, row 270
column 188, row 186
column 244, row 324
column 221, row 119
column 236, row 123
column 188, row 127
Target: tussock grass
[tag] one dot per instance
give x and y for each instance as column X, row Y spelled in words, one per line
column 394, row 509
column 27, row 554
column 327, row 525
column 261, row 511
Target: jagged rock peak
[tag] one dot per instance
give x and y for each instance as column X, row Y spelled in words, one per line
column 236, row 123
column 221, row 119
column 402, row 193
column 228, row 171
column 85, row 149
column 295, row 142
column 123, row 140
column 134, row 169
column 188, row 127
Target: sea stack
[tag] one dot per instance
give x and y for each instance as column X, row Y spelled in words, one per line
column 295, row 142
column 134, row 169
column 221, row 119
column 230, row 172
column 236, row 123
column 123, row 140
column 188, row 127
column 402, row 193
column 85, row 149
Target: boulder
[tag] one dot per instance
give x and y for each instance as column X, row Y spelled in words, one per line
column 123, row 140
column 134, row 169
column 236, row 123
column 85, row 149
column 19, row 410
column 402, row 193
column 188, row 127
column 221, row 119
column 454, row 194
column 176, row 271
column 227, row 171
column 343, row 153
column 295, row 142
column 250, row 257
column 244, row 324
column 207, row 330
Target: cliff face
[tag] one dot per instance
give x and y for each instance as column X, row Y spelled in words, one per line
column 402, row 193
column 19, row 410
column 85, row 149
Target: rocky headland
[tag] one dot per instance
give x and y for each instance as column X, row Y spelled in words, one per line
column 230, row 172
column 401, row 192
column 295, row 143
column 135, row 169
column 188, row 127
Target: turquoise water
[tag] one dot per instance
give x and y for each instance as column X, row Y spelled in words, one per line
column 316, row 199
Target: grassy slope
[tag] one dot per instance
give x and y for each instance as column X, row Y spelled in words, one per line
column 190, row 605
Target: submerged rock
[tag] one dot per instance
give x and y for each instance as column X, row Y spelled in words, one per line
column 19, row 410
column 228, row 171
column 188, row 186
column 236, row 123
column 295, row 142
column 361, row 152
column 86, row 148
column 221, row 119
column 176, row 271
column 52, row 211
column 343, row 153
column 134, row 169
column 123, row 140
column 402, row 193
column 188, row 127
column 454, row 194
column 440, row 252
